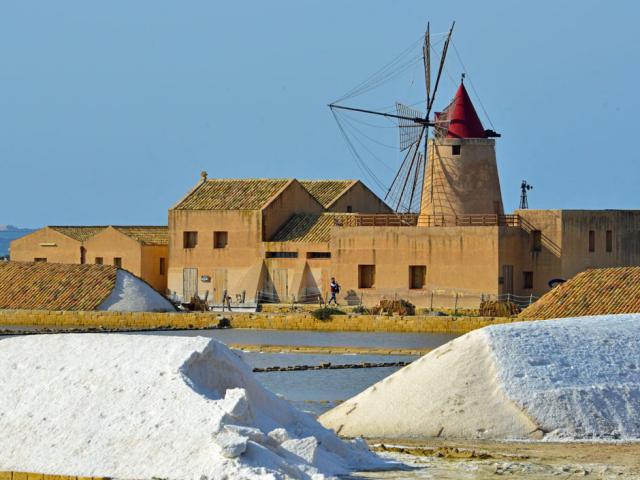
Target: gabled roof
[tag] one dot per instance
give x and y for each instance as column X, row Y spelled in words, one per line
column 462, row 117
column 312, row 227
column 77, row 232
column 54, row 286
column 597, row 291
column 232, row 194
column 146, row 234
column 326, row 192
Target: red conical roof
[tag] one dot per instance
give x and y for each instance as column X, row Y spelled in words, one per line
column 463, row 119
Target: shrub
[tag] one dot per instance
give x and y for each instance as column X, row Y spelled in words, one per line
column 324, row 313
column 360, row 310
column 388, row 307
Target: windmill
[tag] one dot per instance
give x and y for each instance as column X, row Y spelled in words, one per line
column 413, row 126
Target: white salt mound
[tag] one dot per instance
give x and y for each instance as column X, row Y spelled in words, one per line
column 129, row 406
column 130, row 294
column 567, row 379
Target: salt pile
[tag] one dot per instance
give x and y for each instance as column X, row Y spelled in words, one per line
column 129, row 406
column 568, row 379
column 131, row 294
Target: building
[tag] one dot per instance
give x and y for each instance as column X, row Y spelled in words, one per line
column 142, row 250
column 220, row 236
column 596, row 291
column 280, row 240
column 60, row 286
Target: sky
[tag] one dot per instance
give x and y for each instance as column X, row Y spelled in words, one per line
column 109, row 111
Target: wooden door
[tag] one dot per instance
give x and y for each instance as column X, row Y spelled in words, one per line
column 280, row 279
column 507, row 276
column 219, row 284
column 189, row 283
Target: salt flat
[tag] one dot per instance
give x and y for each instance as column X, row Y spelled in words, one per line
column 131, row 406
column 568, row 379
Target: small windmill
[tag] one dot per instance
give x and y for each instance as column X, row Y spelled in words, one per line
column 414, row 128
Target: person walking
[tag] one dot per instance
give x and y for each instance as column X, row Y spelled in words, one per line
column 335, row 290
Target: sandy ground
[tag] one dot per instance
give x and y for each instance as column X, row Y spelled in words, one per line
column 448, row 459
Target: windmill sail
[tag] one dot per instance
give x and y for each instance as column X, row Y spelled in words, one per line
column 410, row 131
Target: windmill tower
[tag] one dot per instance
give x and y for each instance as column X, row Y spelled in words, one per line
column 461, row 177
column 449, row 168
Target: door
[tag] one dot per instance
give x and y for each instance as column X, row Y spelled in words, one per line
column 219, row 284
column 189, row 284
column 280, row 279
column 507, row 275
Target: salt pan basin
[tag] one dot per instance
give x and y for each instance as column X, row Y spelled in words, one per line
column 133, row 406
column 557, row 380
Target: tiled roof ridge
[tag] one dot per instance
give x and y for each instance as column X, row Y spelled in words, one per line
column 595, row 291
column 55, row 286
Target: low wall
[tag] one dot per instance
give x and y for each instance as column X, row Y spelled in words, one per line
column 72, row 320
column 43, row 476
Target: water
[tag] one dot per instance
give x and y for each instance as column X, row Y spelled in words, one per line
column 318, row 339
column 317, row 391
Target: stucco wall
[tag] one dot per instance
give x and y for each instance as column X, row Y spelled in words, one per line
column 293, row 199
column 361, row 200
column 464, row 184
column 625, row 227
column 240, row 260
column 460, row 259
column 62, row 249
column 109, row 244
column 150, row 266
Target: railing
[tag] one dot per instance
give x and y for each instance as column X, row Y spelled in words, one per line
column 411, row 220
column 491, row 220
column 382, row 220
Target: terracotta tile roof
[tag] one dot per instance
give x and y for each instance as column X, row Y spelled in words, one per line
column 232, row 194
column 54, row 286
column 312, row 227
column 146, row 235
column 326, row 191
column 77, row 232
column 596, row 291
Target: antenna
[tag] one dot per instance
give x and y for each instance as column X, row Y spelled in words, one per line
column 524, row 188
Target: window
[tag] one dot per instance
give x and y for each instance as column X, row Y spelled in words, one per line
column 189, row 239
column 609, row 241
column 40, row 260
column 366, row 276
column 455, row 149
column 220, row 239
column 318, row 254
column 417, row 276
column 282, row 254
column 117, row 262
column 536, row 241
column 163, row 263
column 99, row 261
column 592, row 240
column 527, row 280
column 349, row 209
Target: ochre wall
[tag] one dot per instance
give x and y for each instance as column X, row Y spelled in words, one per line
column 465, row 184
column 293, row 199
column 150, row 266
column 457, row 259
column 66, row 250
column 242, row 257
column 279, row 321
column 361, row 200
column 110, row 243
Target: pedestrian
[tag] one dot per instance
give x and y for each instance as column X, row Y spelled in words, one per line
column 335, row 290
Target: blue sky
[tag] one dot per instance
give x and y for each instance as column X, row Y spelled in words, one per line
column 110, row 110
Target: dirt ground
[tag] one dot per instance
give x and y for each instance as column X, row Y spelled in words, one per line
column 448, row 459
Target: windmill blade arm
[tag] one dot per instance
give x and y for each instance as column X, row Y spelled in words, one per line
column 440, row 68
column 418, row 120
